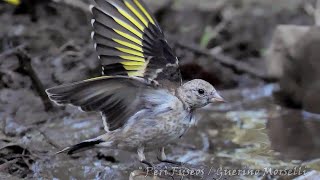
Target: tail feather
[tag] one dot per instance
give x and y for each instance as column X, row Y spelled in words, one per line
column 85, row 145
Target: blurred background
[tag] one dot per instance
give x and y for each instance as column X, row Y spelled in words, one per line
column 262, row 55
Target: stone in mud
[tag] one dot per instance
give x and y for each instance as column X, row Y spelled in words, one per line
column 282, row 44
column 300, row 83
column 293, row 59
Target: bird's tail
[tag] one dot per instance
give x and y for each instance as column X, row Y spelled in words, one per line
column 84, row 145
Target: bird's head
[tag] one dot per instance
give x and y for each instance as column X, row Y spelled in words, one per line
column 198, row 93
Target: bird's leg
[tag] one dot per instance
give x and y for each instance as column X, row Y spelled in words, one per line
column 142, row 157
column 163, row 158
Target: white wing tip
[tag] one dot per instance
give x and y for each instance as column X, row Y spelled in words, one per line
column 80, row 109
column 92, row 35
column 91, row 7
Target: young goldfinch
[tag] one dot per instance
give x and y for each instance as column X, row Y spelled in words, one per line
column 141, row 97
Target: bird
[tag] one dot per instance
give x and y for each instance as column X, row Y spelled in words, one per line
column 144, row 103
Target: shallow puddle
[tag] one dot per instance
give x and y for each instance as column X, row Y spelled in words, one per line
column 249, row 133
column 264, row 135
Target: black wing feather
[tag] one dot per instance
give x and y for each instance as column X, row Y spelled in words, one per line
column 125, row 31
column 118, row 98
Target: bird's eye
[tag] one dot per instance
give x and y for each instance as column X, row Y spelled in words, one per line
column 200, row 91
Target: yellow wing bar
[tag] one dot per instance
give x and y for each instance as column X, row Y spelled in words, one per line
column 13, row 2
column 143, row 9
column 128, row 20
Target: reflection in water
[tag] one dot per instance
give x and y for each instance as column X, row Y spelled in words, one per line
column 267, row 135
column 295, row 136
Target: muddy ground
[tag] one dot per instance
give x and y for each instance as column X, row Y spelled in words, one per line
column 251, row 131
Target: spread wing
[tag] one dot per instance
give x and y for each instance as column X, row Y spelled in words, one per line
column 118, row 98
column 130, row 42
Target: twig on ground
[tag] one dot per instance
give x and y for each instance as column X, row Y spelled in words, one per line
column 218, row 28
column 70, row 43
column 226, row 45
column 228, row 61
column 25, row 62
column 12, row 50
column 49, row 140
column 77, row 4
column 7, row 164
column 26, row 160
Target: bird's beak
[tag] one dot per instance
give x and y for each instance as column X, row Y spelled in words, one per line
column 216, row 98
